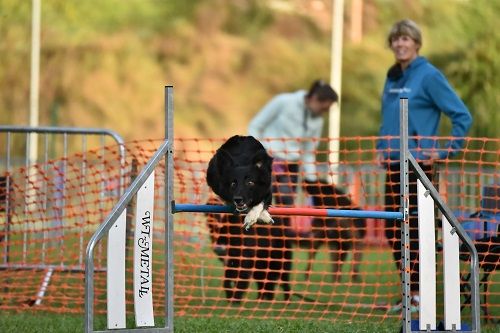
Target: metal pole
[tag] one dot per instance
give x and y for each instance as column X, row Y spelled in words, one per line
column 295, row 211
column 404, row 208
column 336, row 82
column 6, row 254
column 35, row 76
column 169, row 218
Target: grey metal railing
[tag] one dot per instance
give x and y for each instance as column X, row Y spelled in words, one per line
column 18, row 158
column 108, row 223
column 165, row 150
column 408, row 161
column 46, row 201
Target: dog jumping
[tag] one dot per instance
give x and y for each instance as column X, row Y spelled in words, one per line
column 240, row 173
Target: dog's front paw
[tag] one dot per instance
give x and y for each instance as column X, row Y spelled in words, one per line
column 250, row 220
column 257, row 213
column 266, row 217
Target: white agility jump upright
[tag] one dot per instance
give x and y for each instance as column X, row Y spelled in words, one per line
column 428, row 198
column 115, row 228
column 143, row 254
column 115, row 274
column 427, row 256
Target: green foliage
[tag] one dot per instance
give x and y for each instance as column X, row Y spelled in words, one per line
column 80, row 20
column 362, row 83
column 474, row 67
column 104, row 63
column 247, row 18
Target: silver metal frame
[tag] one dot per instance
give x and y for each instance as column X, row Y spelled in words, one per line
column 407, row 159
column 169, row 215
column 164, row 151
column 405, row 206
column 53, row 132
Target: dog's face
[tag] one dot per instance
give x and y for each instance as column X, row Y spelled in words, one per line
column 245, row 185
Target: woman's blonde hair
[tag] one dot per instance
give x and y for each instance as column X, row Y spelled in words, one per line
column 405, row 28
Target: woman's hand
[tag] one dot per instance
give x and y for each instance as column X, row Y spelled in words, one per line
column 380, row 160
column 432, row 157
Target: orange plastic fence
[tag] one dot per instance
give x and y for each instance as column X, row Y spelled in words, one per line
column 324, row 268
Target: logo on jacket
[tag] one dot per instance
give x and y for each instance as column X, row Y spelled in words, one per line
column 403, row 90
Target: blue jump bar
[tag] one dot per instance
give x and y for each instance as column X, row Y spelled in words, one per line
column 303, row 211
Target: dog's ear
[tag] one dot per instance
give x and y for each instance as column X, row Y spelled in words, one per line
column 262, row 160
column 224, row 160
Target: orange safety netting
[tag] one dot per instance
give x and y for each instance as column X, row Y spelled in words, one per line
column 300, row 267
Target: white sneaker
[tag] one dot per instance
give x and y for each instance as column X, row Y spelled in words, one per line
column 414, row 305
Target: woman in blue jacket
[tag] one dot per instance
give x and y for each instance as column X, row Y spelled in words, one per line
column 429, row 95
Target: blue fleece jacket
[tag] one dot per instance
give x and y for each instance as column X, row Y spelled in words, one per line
column 429, row 94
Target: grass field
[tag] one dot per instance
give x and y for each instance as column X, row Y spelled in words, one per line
column 295, row 317
column 380, row 278
column 55, row 323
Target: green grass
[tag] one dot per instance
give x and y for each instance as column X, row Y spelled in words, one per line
column 331, row 297
column 381, row 283
column 57, row 323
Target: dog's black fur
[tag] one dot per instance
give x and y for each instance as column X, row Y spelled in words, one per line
column 240, row 173
column 260, row 253
column 265, row 252
column 339, row 234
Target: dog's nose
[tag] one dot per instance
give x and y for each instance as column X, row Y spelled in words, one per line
column 238, row 201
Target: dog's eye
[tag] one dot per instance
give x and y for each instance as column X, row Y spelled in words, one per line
column 233, row 184
column 250, row 183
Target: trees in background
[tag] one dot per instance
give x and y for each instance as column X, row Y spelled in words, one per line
column 104, row 63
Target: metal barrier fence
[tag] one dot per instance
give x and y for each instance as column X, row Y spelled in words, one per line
column 50, row 182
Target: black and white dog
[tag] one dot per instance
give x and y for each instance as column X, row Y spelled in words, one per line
column 240, row 173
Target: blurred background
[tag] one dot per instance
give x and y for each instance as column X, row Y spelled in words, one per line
column 105, row 63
